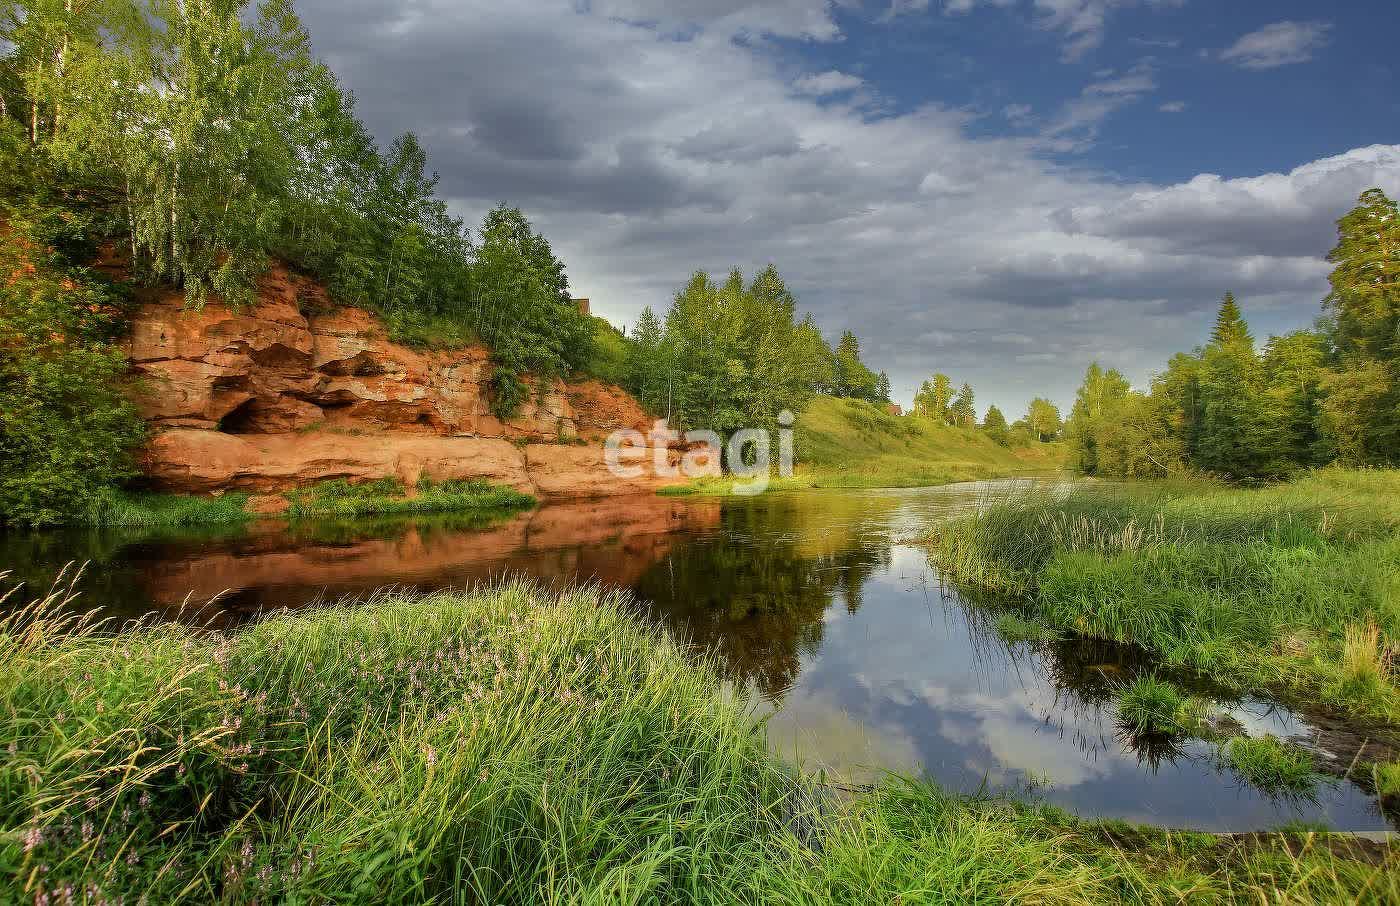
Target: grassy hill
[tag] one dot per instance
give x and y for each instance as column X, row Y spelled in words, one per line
column 850, row 443
column 845, row 443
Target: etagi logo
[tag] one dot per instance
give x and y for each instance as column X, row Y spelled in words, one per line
column 747, row 454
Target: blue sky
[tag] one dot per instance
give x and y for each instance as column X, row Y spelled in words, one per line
column 1002, row 190
column 1338, row 89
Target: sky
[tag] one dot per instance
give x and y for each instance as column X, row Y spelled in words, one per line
column 1001, row 190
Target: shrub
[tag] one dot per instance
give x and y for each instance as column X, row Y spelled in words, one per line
column 66, row 431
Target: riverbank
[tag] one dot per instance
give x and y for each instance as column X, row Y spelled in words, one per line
column 847, row 443
column 1290, row 587
column 335, row 499
column 512, row 745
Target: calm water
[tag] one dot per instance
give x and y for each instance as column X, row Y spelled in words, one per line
column 817, row 609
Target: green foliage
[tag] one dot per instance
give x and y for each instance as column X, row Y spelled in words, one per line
column 66, row 431
column 851, row 378
column 934, row 398
column 388, row 496
column 1043, row 419
column 609, row 359
column 1271, row 765
column 995, row 426
column 728, row 355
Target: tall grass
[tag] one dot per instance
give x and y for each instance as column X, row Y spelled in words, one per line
column 497, row 745
column 133, row 508
column 1295, row 584
column 387, row 496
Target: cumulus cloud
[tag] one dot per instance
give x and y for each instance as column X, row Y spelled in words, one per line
column 645, row 153
column 1278, row 44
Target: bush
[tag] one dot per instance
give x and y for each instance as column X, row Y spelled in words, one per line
column 66, row 431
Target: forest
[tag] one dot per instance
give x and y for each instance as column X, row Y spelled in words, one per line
column 1329, row 394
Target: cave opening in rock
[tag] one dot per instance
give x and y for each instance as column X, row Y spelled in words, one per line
column 240, row 420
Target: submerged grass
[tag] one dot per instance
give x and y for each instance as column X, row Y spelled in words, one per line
column 388, row 496
column 502, row 745
column 1296, row 585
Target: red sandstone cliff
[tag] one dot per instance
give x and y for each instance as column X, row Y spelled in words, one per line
column 294, row 390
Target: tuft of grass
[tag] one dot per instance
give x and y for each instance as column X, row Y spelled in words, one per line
column 1387, row 779
column 1271, row 765
column 1149, row 706
column 1014, row 628
column 131, row 508
column 387, row 496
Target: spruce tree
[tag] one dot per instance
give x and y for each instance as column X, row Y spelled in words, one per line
column 1230, row 326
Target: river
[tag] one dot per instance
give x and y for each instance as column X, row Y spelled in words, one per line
column 816, row 605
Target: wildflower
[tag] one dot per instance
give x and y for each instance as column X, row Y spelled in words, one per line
column 145, row 800
column 32, row 839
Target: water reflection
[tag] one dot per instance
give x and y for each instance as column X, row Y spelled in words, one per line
column 812, row 605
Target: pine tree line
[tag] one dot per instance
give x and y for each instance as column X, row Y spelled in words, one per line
column 1308, row 398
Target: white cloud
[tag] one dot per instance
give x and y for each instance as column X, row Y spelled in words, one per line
column 783, row 18
column 1077, row 123
column 824, row 83
column 1017, row 114
column 1173, row 107
column 643, row 156
column 1081, row 23
column 1278, row 44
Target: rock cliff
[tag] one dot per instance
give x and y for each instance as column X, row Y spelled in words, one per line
column 295, row 390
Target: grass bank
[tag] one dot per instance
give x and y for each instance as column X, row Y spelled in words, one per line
column 334, row 499
column 506, row 745
column 846, row 443
column 1293, row 586
column 134, row 508
column 387, row 496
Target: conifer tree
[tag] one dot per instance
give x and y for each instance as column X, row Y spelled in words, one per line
column 995, row 425
column 1230, row 419
column 963, row 408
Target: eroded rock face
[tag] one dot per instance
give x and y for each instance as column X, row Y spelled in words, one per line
column 270, row 398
